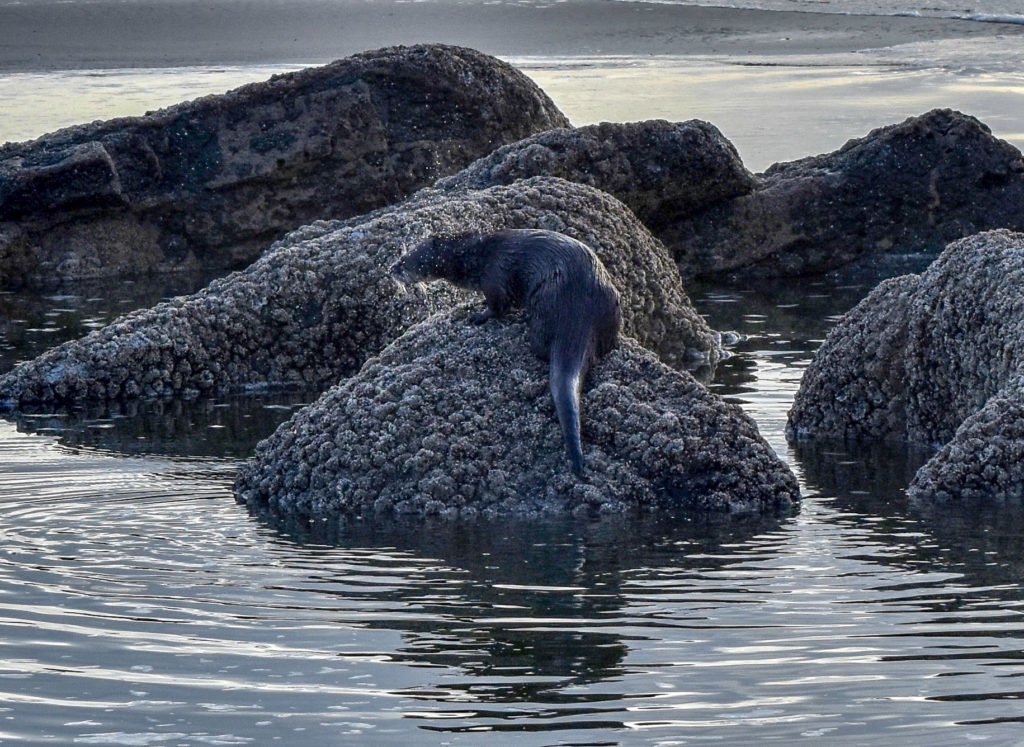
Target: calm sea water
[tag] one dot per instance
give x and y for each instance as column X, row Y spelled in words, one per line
column 140, row 605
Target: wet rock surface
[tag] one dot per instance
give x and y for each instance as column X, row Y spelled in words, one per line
column 321, row 301
column 912, row 186
column 934, row 359
column 212, row 182
column 663, row 171
column 456, row 419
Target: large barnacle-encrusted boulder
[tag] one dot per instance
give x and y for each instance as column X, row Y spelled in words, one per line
column 934, row 359
column 455, row 418
column 912, row 186
column 663, row 171
column 211, row 182
column 321, row 301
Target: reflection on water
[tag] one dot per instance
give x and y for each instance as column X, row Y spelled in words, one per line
column 31, row 323
column 229, row 427
column 140, row 605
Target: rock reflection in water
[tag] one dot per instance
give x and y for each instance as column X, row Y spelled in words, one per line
column 544, row 601
column 32, row 322
column 227, row 427
column 980, row 541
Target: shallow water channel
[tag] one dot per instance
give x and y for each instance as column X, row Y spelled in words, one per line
column 139, row 605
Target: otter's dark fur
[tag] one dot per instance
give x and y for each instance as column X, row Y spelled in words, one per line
column 572, row 306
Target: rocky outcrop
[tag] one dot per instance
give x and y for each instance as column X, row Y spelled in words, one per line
column 907, row 187
column 935, row 358
column 663, row 171
column 321, row 302
column 213, row 181
column 456, row 419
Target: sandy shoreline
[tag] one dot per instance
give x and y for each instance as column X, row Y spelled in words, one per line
column 109, row 34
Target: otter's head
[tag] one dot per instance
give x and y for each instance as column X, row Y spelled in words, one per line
column 436, row 258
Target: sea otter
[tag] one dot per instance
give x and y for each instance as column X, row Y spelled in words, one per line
column 572, row 306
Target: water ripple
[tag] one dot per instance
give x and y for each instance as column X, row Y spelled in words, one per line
column 140, row 605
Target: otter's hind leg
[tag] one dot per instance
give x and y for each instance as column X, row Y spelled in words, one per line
column 539, row 338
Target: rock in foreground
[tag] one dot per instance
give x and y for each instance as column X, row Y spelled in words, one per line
column 935, row 358
column 456, row 419
column 908, row 187
column 212, row 182
column 321, row 302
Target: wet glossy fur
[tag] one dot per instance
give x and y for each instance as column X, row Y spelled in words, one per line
column 572, row 306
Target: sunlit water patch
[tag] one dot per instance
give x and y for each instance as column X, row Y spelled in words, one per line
column 140, row 605
column 36, row 103
column 806, row 104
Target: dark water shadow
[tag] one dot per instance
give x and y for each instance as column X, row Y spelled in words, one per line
column 980, row 540
column 786, row 319
column 225, row 427
column 33, row 321
column 543, row 598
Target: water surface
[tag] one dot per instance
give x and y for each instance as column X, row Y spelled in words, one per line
column 140, row 605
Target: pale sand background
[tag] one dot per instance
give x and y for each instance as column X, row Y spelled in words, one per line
column 169, row 33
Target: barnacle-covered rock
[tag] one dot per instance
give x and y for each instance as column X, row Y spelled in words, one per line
column 321, row 301
column 212, row 182
column 663, row 171
column 912, row 186
column 456, row 419
column 933, row 359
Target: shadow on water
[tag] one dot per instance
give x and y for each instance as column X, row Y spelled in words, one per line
column 226, row 427
column 544, row 600
column 978, row 544
column 785, row 320
column 979, row 540
column 33, row 321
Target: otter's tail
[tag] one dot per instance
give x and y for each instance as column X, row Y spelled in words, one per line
column 569, row 361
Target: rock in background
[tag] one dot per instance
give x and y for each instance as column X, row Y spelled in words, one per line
column 321, row 302
column 456, row 419
column 912, row 186
column 935, row 358
column 663, row 171
column 212, row 182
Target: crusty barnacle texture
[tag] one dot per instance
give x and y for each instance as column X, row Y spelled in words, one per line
column 934, row 359
column 321, row 301
column 663, row 171
column 456, row 419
